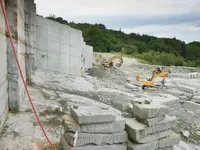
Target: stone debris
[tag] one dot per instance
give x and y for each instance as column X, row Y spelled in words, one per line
column 97, row 130
column 186, row 133
column 151, row 130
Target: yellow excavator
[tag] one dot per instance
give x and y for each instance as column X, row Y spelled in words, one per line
column 158, row 72
column 110, row 62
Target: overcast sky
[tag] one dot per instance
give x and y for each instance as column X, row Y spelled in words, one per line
column 163, row 18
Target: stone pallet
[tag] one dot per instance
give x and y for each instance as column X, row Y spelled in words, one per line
column 151, row 129
column 98, row 129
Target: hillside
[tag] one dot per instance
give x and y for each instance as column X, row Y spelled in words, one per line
column 162, row 51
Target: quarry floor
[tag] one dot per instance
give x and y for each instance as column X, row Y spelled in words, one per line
column 112, row 86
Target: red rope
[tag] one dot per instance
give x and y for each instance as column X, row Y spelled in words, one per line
column 21, row 74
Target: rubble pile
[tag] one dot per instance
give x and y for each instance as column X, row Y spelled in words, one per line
column 97, row 129
column 151, row 128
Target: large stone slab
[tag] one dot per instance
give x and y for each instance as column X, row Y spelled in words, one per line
column 155, row 136
column 191, row 106
column 166, row 148
column 151, row 121
column 97, row 139
column 167, row 123
column 135, row 129
column 146, row 111
column 169, row 141
column 196, row 99
column 187, row 88
column 92, row 114
column 111, row 127
column 148, row 146
column 66, row 146
column 138, row 131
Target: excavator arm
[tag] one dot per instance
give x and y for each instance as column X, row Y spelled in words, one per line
column 109, row 63
column 147, row 83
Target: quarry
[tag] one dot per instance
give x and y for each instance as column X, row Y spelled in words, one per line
column 81, row 104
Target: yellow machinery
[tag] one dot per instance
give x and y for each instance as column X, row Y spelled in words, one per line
column 110, row 62
column 150, row 82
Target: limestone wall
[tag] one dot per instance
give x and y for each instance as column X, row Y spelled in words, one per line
column 3, row 73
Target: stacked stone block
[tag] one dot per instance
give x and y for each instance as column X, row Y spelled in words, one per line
column 151, row 128
column 98, row 129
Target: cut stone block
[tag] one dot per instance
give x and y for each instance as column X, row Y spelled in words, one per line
column 169, row 141
column 187, row 88
column 155, row 136
column 146, row 111
column 175, row 92
column 66, row 146
column 148, row 146
column 112, row 127
column 97, row 139
column 191, row 106
column 91, row 114
column 166, row 148
column 167, row 123
column 196, row 99
column 152, row 121
column 135, row 129
column 143, row 134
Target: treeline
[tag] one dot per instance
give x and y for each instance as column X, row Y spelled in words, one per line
column 163, row 51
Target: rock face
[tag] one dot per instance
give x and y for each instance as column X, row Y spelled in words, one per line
column 151, row 129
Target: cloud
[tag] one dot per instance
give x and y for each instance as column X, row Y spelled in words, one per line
column 186, row 32
column 142, row 16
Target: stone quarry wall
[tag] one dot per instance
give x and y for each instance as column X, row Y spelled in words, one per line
column 58, row 47
column 40, row 43
column 87, row 56
column 16, row 19
column 3, row 73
